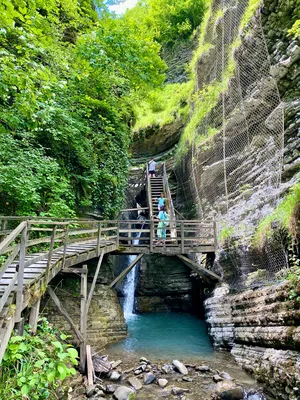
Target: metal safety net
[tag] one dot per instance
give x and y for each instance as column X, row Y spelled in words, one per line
column 231, row 170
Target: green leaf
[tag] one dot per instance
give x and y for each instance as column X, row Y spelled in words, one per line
column 51, row 376
column 73, row 353
column 62, row 369
column 15, row 339
column 25, row 390
column 57, row 345
column 39, row 363
column 72, row 371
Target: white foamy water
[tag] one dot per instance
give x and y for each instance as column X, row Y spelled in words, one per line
column 129, row 287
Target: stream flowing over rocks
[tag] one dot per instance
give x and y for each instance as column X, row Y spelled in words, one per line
column 145, row 379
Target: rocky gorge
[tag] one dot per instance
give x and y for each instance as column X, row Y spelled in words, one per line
column 121, row 380
column 252, row 128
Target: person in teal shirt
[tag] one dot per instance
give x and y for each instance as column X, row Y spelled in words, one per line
column 163, row 217
column 161, row 202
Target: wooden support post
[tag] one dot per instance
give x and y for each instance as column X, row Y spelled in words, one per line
column 65, row 245
column 65, row 314
column 125, row 271
column 182, row 236
column 50, row 253
column 34, row 315
column 19, row 297
column 90, row 368
column 151, row 235
column 99, row 239
column 3, row 227
column 207, row 275
column 215, row 236
column 129, row 232
column 118, row 234
column 19, row 327
column 83, row 319
column 88, row 303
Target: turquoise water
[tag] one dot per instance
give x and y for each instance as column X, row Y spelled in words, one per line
column 166, row 335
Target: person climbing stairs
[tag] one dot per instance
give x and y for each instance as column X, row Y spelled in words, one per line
column 157, row 188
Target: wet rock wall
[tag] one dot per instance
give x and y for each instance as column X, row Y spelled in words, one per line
column 106, row 323
column 259, row 324
column 164, row 284
column 261, row 328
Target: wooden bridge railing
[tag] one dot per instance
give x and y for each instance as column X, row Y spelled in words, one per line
column 181, row 235
column 41, row 237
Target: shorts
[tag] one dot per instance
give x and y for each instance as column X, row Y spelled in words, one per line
column 152, row 172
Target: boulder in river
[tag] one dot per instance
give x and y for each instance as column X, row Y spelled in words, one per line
column 124, row 393
column 228, row 390
column 180, row 367
column 202, row 368
column 225, row 375
column 144, row 360
column 115, row 376
column 217, row 378
column 178, row 391
column 135, row 383
column 90, row 390
column 252, row 394
column 162, row 383
column 167, row 368
column 138, row 372
column 111, row 388
column 149, row 378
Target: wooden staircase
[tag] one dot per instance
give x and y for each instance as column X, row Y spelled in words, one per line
column 157, row 187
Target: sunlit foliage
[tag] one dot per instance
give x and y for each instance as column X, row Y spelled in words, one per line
column 67, row 74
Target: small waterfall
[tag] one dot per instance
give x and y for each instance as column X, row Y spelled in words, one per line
column 130, row 283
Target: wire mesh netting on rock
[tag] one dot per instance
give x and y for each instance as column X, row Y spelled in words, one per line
column 232, row 169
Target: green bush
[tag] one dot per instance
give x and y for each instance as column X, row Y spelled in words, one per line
column 285, row 216
column 34, row 366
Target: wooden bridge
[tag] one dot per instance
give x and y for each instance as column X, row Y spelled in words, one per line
column 34, row 250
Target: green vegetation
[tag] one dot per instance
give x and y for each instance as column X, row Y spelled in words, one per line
column 72, row 83
column 33, row 367
column 206, row 99
column 225, row 235
column 166, row 22
column 295, row 29
column 163, row 106
column 294, row 278
column 285, row 216
column 67, row 82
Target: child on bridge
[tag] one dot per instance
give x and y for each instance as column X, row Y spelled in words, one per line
column 163, row 218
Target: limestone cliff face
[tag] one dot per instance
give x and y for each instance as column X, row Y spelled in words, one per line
column 164, row 284
column 154, row 140
column 233, row 167
column 106, row 322
column 261, row 327
column 259, row 324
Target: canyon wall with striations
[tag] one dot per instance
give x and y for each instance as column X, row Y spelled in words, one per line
column 261, row 328
column 243, row 157
column 165, row 284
